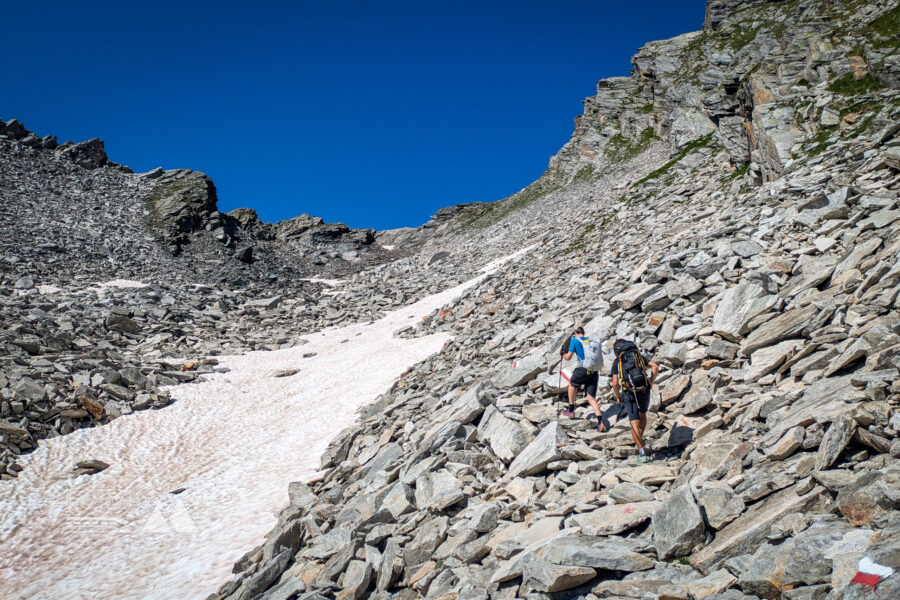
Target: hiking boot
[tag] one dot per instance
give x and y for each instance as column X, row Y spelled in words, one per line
column 642, row 458
column 567, row 413
column 601, row 427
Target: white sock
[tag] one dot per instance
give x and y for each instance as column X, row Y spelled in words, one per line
column 641, row 450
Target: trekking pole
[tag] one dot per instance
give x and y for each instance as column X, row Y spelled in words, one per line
column 558, row 385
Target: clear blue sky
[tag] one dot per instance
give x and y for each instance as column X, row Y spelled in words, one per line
column 375, row 114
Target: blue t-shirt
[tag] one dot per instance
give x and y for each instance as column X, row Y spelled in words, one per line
column 576, row 347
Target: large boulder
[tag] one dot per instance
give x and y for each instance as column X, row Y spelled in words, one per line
column 613, row 519
column 522, row 370
column 543, row 450
column 747, row 532
column 505, row 437
column 677, row 524
column 738, row 305
column 547, row 577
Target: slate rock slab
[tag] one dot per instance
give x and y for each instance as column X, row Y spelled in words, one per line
column 678, row 525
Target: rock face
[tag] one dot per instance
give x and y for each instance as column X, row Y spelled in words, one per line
column 739, row 201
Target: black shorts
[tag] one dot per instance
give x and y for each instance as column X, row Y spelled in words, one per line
column 581, row 377
column 634, row 406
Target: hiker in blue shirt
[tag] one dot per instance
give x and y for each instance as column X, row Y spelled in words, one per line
column 582, row 376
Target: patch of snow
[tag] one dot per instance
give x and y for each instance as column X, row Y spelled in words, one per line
column 232, row 442
column 48, row 289
column 328, row 282
column 122, row 283
column 388, row 247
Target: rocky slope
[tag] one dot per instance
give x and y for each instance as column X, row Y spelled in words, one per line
column 114, row 285
column 733, row 206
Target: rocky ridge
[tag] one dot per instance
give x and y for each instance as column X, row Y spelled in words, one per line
column 115, row 285
column 735, row 203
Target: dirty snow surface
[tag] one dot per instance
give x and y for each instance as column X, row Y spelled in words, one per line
column 231, row 443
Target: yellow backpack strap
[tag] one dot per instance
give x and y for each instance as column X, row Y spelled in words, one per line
column 621, row 374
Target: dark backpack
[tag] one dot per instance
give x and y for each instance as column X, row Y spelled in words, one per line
column 631, row 366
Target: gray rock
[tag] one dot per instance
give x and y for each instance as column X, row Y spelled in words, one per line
column 836, row 439
column 677, row 525
column 357, row 579
column 763, row 576
column 720, row 505
column 624, row 493
column 738, row 305
column 522, row 370
column 546, row 577
column 543, row 450
column 746, row 533
column 484, row 517
column 588, row 551
column 505, row 437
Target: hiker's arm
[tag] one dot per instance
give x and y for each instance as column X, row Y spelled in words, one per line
column 567, row 356
column 654, row 371
column 615, row 387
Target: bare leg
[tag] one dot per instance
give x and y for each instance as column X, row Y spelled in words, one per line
column 637, row 433
column 593, row 402
column 643, row 424
column 571, row 395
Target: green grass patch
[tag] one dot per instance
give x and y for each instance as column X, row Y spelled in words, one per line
column 739, row 172
column 821, row 141
column 690, row 146
column 584, row 174
column 580, row 242
column 887, row 27
column 863, row 126
column 484, row 215
column 620, row 148
column 739, row 37
column 849, row 85
column 647, row 108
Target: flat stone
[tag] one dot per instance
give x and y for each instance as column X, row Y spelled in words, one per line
column 615, row 519
column 673, row 388
column 738, row 305
column 720, row 505
column 540, row 452
column 634, row 295
column 809, row 563
column 624, row 493
column 546, row 577
column 767, row 359
column 598, row 553
column 763, row 575
column 782, row 327
column 431, row 486
column 505, row 437
column 869, row 497
column 714, row 583
column 744, row 534
column 522, row 370
column 789, row 443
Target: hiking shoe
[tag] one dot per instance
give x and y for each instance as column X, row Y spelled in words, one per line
column 567, row 413
column 642, row 458
column 601, row 427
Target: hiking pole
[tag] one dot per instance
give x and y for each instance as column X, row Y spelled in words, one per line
column 558, row 385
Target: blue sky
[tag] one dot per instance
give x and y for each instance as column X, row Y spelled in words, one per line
column 375, row 114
